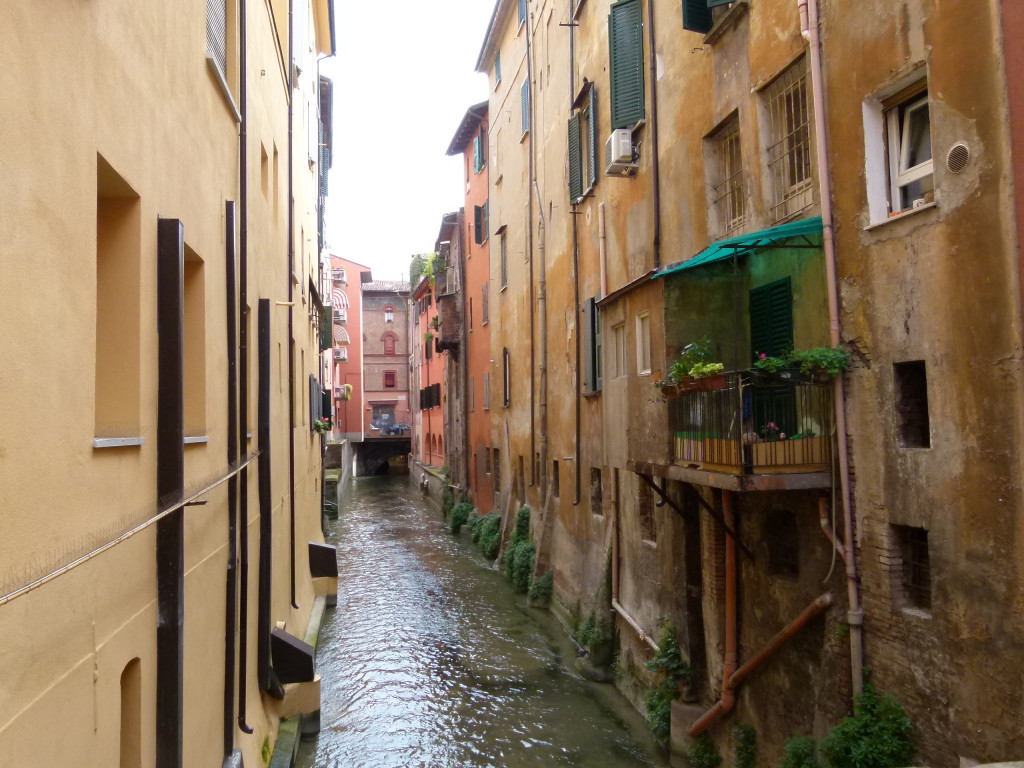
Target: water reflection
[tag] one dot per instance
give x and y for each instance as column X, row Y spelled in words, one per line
column 431, row 660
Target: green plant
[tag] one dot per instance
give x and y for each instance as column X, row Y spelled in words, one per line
column 265, row 749
column 520, row 552
column 668, row 663
column 587, row 633
column 428, row 337
column 321, row 425
column 447, row 501
column 876, row 736
column 772, row 364
column 487, row 534
column 703, row 753
column 744, row 746
column 541, row 588
column 700, row 370
column 799, row 753
column 459, row 515
column 697, row 352
column 832, row 361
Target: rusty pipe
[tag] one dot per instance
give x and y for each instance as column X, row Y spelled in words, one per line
column 720, row 708
column 730, row 661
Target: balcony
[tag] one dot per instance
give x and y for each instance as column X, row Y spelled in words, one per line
column 749, row 432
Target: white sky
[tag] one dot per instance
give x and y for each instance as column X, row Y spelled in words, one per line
column 403, row 79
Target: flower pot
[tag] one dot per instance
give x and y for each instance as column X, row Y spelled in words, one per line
column 713, row 382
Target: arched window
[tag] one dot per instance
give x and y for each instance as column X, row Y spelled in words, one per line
column 390, row 342
column 389, row 314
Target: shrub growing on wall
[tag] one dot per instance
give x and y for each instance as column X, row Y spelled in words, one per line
column 460, row 515
column 520, row 553
column 487, row 534
column 669, row 664
column 876, row 736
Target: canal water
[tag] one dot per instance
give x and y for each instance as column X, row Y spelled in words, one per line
column 431, row 659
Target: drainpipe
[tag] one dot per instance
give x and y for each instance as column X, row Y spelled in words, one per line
column 243, row 363
column 529, row 245
column 855, row 616
column 291, row 304
column 231, row 577
column 655, row 174
column 579, row 392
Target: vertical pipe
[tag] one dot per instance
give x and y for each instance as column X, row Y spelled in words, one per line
column 602, row 249
column 529, row 246
column 291, row 303
column 266, row 527
column 579, row 389
column 729, row 664
column 855, row 615
column 655, row 170
column 231, row 577
column 243, row 361
column 170, row 485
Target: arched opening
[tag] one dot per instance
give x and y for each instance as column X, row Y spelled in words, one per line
column 131, row 715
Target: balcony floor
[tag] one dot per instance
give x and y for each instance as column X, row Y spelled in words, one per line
column 729, row 481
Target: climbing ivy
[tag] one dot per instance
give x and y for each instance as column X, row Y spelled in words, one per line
column 668, row 663
column 744, row 746
column 703, row 753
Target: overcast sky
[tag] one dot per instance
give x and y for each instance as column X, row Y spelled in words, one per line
column 403, row 79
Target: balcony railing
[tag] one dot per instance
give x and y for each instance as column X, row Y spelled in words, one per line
column 747, row 424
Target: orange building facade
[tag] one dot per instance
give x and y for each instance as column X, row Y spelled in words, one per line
column 346, row 381
column 427, row 393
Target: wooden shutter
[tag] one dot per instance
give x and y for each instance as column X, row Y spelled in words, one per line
column 713, row 3
column 478, row 162
column 478, row 224
column 575, row 171
column 626, row 52
column 592, row 134
column 524, row 94
column 697, row 15
column 590, row 383
column 771, row 319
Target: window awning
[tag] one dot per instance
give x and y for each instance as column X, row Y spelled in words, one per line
column 340, row 336
column 744, row 245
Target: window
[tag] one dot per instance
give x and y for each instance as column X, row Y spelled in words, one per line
column 506, row 378
column 472, row 394
column 596, row 491
column 555, row 481
column 909, row 138
column 522, row 11
column 524, row 102
column 389, row 314
column 504, row 260
column 497, row 470
column 194, row 339
column 483, row 305
column 645, row 511
column 725, row 178
column 789, row 149
column 910, row 381
column 783, row 540
column 390, row 341
column 497, row 68
column 697, row 14
column 118, row 302
column 915, row 566
column 471, row 313
column 626, row 63
column 390, row 379
column 643, row 343
column 618, row 350
column 479, row 150
column 583, row 147
column 591, row 346
column 487, row 391
column 771, row 319
column 481, row 223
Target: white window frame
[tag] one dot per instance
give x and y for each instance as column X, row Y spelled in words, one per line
column 898, row 126
column 643, row 344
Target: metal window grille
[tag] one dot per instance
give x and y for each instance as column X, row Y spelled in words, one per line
column 504, row 260
column 916, row 575
column 216, row 33
column 789, row 153
column 729, row 193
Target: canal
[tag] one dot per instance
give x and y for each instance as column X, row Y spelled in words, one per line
column 431, row 659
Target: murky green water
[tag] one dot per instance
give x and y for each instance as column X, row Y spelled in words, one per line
column 430, row 659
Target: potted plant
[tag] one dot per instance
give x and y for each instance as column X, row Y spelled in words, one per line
column 693, row 369
column 320, row 426
column 346, row 392
column 822, row 363
column 779, row 368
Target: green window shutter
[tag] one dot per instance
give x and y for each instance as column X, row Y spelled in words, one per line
column 477, row 155
column 487, row 220
column 524, row 94
column 713, row 3
column 696, row 15
column 575, row 171
column 478, row 224
column 771, row 319
column 591, row 339
column 626, row 59
column 592, row 134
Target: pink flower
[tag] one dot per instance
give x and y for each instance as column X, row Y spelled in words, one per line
column 762, row 356
column 782, row 436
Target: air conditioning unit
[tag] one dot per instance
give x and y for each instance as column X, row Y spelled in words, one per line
column 618, row 153
column 338, row 354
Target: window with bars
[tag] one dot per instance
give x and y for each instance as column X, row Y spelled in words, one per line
column 728, row 192
column 483, row 304
column 217, row 34
column 789, row 148
column 915, row 566
column 504, row 260
column 524, row 106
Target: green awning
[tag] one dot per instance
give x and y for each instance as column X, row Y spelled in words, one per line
column 744, row 245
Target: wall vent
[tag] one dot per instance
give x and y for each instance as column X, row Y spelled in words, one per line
column 957, row 157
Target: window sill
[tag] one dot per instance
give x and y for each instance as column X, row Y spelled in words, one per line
column 901, row 216
column 197, row 439
column 917, row 613
column 649, row 544
column 589, row 395
column 117, row 442
column 523, row 137
column 222, row 84
column 500, row 177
